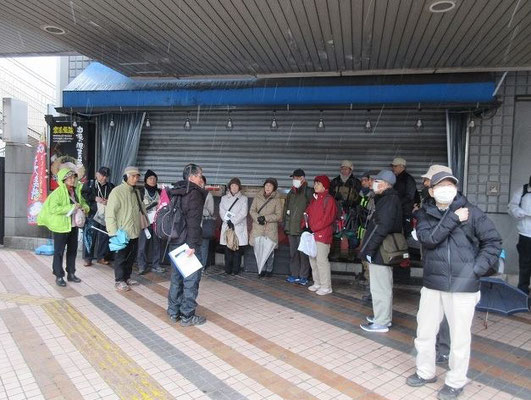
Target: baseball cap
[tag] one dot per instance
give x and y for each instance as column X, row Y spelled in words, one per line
column 441, row 176
column 105, row 171
column 399, row 161
column 347, row 163
column 298, row 172
column 435, row 169
column 386, row 175
column 131, row 171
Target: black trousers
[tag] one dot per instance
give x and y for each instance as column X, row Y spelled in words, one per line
column 524, row 260
column 299, row 262
column 60, row 241
column 123, row 261
column 233, row 260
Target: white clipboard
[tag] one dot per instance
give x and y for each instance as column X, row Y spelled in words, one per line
column 186, row 265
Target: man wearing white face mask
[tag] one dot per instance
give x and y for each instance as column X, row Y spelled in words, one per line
column 448, row 229
column 296, row 202
column 386, row 219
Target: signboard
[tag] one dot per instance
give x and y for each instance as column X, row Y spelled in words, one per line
column 69, row 147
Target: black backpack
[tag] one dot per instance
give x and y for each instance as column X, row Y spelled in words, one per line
column 170, row 223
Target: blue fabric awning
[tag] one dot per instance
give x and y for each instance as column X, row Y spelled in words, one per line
column 99, row 87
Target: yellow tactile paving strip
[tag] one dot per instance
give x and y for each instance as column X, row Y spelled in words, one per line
column 127, row 379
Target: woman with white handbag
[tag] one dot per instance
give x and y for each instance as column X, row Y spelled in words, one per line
column 63, row 213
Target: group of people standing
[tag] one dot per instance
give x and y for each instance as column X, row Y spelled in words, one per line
column 459, row 243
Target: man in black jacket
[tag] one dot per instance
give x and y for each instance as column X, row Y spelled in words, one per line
column 96, row 192
column 407, row 191
column 386, row 219
column 459, row 244
column 183, row 291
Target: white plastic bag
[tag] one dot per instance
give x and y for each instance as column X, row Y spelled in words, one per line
column 307, row 244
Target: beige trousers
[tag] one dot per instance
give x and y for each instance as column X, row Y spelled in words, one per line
column 381, row 284
column 321, row 266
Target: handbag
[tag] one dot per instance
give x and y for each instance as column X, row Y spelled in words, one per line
column 144, row 220
column 232, row 240
column 78, row 218
column 394, row 249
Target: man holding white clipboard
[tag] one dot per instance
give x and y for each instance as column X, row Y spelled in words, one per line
column 185, row 274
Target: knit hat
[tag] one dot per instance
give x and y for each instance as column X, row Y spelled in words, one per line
column 386, row 175
column 272, row 181
column 235, row 181
column 150, row 173
column 325, row 181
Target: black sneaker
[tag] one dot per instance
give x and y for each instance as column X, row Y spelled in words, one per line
column 441, row 359
column 174, row 318
column 193, row 320
column 72, row 278
column 449, row 393
column 416, row 381
column 142, row 271
column 60, row 282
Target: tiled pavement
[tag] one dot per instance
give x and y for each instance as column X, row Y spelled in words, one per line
column 264, row 339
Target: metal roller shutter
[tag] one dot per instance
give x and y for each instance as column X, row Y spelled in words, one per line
column 253, row 152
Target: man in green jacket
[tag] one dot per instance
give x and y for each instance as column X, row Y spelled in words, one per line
column 123, row 212
column 56, row 215
column 298, row 198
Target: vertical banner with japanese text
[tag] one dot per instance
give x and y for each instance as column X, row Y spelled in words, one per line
column 69, row 147
column 37, row 190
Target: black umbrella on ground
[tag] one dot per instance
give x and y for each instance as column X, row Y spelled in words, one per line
column 499, row 297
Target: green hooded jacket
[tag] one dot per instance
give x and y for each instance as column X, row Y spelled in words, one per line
column 54, row 211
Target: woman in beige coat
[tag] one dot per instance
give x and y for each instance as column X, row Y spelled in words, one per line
column 266, row 212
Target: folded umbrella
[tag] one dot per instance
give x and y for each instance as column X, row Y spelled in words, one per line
column 119, row 241
column 88, row 237
column 263, row 247
column 499, row 297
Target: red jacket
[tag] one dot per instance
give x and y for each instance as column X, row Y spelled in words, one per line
column 322, row 213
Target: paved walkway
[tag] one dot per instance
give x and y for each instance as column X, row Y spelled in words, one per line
column 264, row 339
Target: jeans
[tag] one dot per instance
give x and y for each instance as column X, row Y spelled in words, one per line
column 60, row 241
column 205, row 246
column 183, row 291
column 123, row 261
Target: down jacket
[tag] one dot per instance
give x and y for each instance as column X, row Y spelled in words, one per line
column 272, row 211
column 456, row 254
column 386, row 219
column 192, row 202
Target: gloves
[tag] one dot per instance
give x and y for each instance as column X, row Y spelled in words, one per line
column 261, row 220
column 230, row 224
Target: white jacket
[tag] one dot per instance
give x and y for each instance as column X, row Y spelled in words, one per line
column 240, row 210
column 522, row 212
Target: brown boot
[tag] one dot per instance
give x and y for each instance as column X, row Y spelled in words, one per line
column 103, row 261
column 87, row 263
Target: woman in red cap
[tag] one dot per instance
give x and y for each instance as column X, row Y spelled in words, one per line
column 321, row 214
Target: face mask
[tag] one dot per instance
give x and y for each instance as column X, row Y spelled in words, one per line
column 444, row 194
column 296, row 183
column 375, row 186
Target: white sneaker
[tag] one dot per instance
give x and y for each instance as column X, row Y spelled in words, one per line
column 322, row 292
column 314, row 288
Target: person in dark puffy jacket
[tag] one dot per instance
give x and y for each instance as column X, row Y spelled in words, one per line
column 183, row 291
column 460, row 245
column 386, row 219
